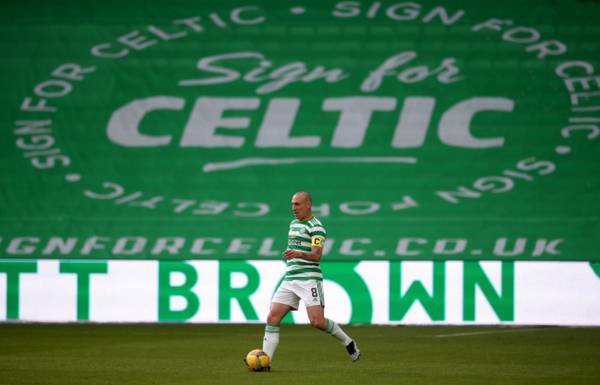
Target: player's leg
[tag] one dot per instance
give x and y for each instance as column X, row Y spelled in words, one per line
column 271, row 338
column 283, row 301
column 316, row 315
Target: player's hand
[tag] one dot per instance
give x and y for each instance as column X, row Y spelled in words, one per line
column 289, row 254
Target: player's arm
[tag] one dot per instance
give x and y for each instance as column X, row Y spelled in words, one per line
column 316, row 251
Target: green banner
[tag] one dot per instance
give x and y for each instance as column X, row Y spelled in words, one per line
column 140, row 130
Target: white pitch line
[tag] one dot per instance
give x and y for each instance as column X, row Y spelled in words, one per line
column 247, row 162
column 486, row 332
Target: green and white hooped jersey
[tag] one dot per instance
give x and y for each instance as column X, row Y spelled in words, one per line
column 303, row 235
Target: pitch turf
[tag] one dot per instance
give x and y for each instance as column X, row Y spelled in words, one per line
column 90, row 354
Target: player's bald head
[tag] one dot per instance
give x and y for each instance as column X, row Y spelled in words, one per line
column 303, row 196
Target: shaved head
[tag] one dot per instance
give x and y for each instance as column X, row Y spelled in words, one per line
column 304, row 196
column 302, row 205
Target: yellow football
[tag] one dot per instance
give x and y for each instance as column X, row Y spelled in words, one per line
column 257, row 361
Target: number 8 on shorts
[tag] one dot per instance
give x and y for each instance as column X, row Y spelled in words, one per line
column 317, row 293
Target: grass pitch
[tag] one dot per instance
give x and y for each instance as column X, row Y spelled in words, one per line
column 95, row 354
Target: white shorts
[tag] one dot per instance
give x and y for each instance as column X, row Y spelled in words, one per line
column 291, row 292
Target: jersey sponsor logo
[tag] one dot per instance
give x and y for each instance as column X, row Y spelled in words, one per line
column 294, row 242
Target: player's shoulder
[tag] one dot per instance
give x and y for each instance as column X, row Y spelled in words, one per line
column 314, row 221
column 315, row 225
